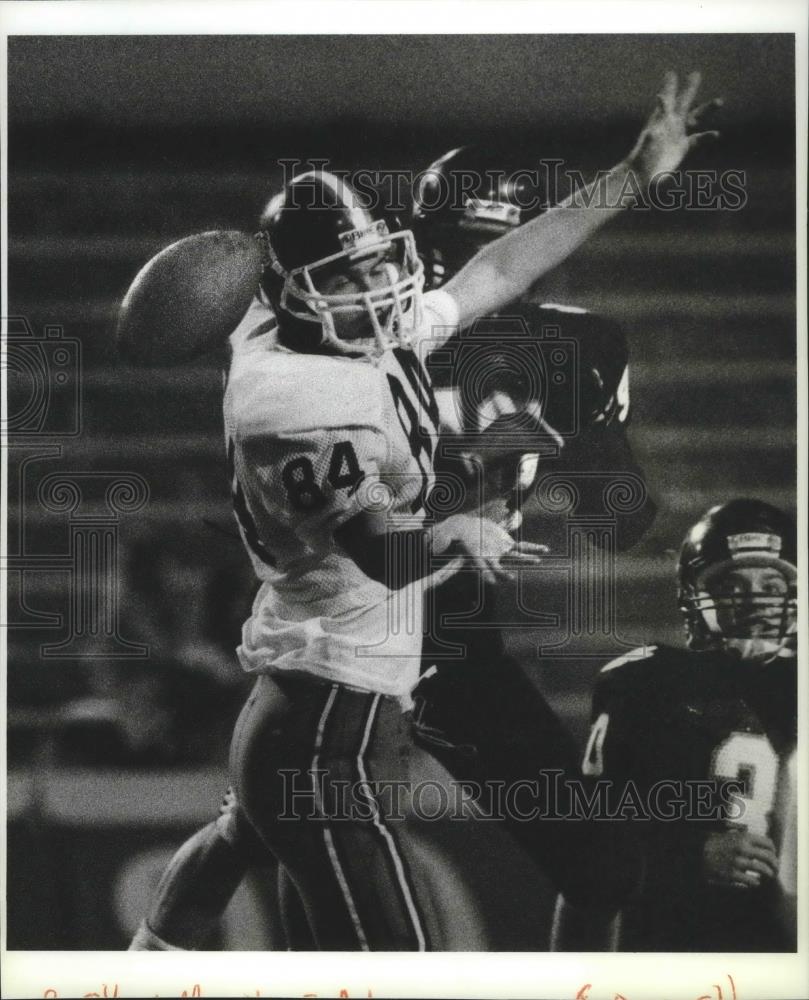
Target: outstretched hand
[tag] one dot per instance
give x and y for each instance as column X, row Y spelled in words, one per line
column 485, row 545
column 666, row 138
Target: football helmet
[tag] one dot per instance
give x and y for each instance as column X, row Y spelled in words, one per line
column 465, row 199
column 726, row 600
column 316, row 228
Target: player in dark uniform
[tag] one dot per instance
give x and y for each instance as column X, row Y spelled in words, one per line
column 479, row 713
column 707, row 736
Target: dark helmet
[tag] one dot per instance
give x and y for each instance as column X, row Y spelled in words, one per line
column 319, row 225
column 467, row 198
column 734, row 536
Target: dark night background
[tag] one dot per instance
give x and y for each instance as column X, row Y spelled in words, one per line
column 120, row 145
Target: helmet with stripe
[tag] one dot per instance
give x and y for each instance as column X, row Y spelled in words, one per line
column 331, row 264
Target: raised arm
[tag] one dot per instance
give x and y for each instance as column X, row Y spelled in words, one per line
column 505, row 269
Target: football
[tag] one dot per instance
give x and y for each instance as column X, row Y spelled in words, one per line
column 188, row 298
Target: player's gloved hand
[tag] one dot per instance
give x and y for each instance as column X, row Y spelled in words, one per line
column 484, row 544
column 665, row 138
column 738, row 858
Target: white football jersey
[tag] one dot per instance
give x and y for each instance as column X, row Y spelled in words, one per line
column 313, row 440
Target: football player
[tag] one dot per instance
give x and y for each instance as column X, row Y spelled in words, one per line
column 515, row 427
column 325, row 415
column 707, row 736
column 331, row 434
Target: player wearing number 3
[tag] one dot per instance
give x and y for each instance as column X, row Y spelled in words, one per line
column 724, row 710
column 331, row 426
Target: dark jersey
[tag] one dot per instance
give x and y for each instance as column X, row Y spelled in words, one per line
column 566, row 372
column 700, row 740
column 480, row 714
column 574, row 394
column 580, row 340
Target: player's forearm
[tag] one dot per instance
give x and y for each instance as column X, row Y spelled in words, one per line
column 395, row 558
column 507, row 268
column 400, row 557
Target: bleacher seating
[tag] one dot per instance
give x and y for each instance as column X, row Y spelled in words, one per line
column 707, row 299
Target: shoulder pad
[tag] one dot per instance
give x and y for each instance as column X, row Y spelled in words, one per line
column 281, row 392
column 557, row 307
column 574, row 321
column 575, row 317
column 442, row 306
column 623, row 676
column 646, row 665
column 642, row 656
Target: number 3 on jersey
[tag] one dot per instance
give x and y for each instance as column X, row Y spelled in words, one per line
column 749, row 759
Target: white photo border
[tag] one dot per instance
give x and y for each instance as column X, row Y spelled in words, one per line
column 536, row 975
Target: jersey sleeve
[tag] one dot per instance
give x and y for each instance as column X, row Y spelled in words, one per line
column 618, row 733
column 258, row 328
column 315, row 481
column 440, row 320
column 606, row 752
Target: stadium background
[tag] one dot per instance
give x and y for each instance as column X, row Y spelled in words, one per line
column 119, row 145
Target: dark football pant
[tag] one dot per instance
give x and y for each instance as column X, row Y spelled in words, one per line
column 321, row 772
column 486, row 722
